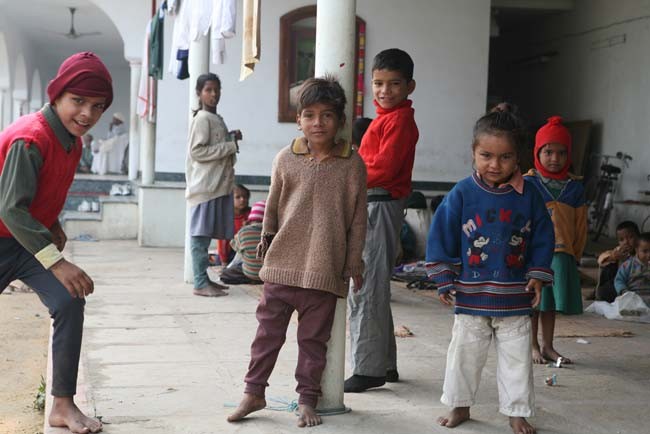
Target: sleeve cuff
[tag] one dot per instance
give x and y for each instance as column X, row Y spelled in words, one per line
column 48, row 256
column 543, row 274
column 443, row 275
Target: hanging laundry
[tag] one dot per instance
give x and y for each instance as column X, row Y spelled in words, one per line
column 224, row 17
column 251, row 44
column 173, row 6
column 180, row 37
column 156, row 41
column 147, row 89
column 200, row 18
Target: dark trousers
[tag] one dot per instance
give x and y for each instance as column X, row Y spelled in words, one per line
column 315, row 316
column 605, row 290
column 66, row 311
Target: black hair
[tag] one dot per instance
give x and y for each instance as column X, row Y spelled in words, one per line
column 395, row 59
column 503, row 120
column 246, row 191
column 359, row 127
column 645, row 237
column 630, row 226
column 324, row 90
column 200, row 83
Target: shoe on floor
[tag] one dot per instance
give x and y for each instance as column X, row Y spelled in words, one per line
column 360, row 383
column 392, row 376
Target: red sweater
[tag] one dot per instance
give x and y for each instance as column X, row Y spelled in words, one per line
column 223, row 246
column 388, row 149
column 56, row 174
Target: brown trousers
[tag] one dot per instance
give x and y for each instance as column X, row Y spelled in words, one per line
column 315, row 316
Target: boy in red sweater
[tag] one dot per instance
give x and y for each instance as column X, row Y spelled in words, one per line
column 388, row 150
column 39, row 154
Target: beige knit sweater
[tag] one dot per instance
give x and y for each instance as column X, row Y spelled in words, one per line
column 210, row 164
column 317, row 212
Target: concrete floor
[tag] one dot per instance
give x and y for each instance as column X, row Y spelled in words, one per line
column 159, row 360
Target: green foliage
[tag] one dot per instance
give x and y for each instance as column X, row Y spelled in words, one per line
column 39, row 399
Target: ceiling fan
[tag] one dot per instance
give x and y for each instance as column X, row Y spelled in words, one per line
column 72, row 33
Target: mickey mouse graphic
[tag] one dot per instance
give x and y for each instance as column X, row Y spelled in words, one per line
column 517, row 243
column 475, row 252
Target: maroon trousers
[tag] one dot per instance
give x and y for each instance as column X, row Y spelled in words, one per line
column 315, row 317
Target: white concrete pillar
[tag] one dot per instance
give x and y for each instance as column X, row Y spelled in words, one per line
column 134, row 124
column 148, row 151
column 198, row 63
column 18, row 108
column 335, row 45
column 2, row 109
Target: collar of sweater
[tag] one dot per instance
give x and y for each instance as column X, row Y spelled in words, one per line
column 407, row 103
column 516, row 183
column 342, row 149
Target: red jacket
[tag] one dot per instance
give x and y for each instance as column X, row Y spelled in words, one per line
column 388, row 149
column 56, row 174
column 223, row 246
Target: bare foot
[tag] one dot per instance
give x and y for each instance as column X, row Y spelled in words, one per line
column 537, row 355
column 209, row 291
column 552, row 355
column 520, row 426
column 249, row 404
column 456, row 416
column 307, row 416
column 65, row 414
column 217, row 285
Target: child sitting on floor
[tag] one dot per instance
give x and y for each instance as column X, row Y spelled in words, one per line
column 245, row 268
column 634, row 273
column 240, row 200
column 627, row 233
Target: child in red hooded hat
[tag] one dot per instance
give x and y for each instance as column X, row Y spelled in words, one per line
column 564, row 197
column 39, row 154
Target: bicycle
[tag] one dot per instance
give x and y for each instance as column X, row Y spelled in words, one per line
column 600, row 191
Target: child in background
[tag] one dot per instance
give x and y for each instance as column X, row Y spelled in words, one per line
column 312, row 243
column 490, row 247
column 246, row 269
column 359, row 128
column 210, row 177
column 388, row 150
column 564, row 197
column 627, row 233
column 241, row 197
column 39, row 154
column 634, row 273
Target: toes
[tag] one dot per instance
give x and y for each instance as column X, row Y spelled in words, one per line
column 301, row 422
column 442, row 421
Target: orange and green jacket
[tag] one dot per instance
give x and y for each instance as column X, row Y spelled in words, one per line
column 568, row 212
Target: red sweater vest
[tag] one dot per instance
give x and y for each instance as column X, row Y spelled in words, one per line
column 388, row 149
column 56, row 174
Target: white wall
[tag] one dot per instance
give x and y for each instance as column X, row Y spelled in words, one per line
column 610, row 85
column 448, row 41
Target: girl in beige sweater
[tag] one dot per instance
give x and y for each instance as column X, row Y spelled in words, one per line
column 210, row 178
column 313, row 237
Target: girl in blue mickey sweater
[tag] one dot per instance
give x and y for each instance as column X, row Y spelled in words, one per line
column 490, row 247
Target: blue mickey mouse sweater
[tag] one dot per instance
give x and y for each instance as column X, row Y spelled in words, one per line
column 485, row 243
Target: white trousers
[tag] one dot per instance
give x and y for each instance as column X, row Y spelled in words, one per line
column 468, row 352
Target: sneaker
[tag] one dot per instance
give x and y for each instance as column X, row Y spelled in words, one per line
column 116, row 190
column 84, row 206
column 94, row 206
column 361, row 383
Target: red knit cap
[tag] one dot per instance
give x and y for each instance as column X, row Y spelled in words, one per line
column 83, row 74
column 553, row 132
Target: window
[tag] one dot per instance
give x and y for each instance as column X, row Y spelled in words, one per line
column 298, row 59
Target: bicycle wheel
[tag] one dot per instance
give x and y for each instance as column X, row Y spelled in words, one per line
column 598, row 204
column 600, row 224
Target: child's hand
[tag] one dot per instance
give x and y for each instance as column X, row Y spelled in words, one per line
column 447, row 298
column 75, row 280
column 358, row 282
column 236, row 134
column 535, row 285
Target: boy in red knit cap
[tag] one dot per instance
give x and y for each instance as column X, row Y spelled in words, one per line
column 38, row 157
column 388, row 150
column 563, row 194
